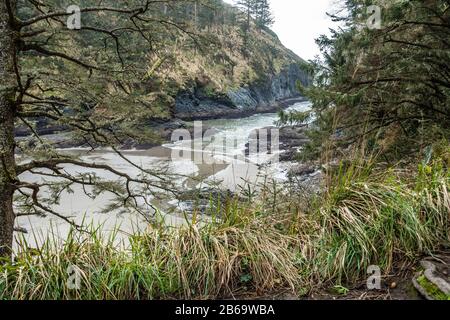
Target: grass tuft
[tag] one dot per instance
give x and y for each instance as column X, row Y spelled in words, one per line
column 366, row 217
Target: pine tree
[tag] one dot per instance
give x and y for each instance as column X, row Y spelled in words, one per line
column 263, row 14
column 259, row 10
column 386, row 87
column 248, row 9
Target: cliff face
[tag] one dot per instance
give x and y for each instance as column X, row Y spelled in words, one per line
column 266, row 96
column 235, row 73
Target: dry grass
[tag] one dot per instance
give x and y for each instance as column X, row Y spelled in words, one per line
column 184, row 262
column 366, row 218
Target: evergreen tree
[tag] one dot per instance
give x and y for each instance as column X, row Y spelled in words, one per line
column 248, row 9
column 387, row 88
column 87, row 80
column 263, row 14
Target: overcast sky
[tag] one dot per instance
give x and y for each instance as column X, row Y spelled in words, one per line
column 299, row 22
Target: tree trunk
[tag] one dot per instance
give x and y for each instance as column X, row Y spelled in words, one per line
column 8, row 89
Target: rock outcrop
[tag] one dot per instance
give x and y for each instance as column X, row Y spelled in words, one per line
column 266, row 96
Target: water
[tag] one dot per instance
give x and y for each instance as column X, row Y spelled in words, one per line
column 241, row 128
column 227, row 167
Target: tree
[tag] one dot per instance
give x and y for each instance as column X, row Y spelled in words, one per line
column 85, row 81
column 248, row 9
column 254, row 11
column 388, row 87
column 263, row 14
column 7, row 110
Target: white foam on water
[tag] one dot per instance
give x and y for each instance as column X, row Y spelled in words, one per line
column 239, row 170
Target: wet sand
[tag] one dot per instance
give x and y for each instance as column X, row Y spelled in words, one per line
column 222, row 163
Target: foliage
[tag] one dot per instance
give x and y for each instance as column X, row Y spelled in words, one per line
column 374, row 217
column 388, row 87
column 293, row 117
column 370, row 216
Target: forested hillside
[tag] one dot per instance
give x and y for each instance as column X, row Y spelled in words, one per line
column 386, row 88
column 200, row 57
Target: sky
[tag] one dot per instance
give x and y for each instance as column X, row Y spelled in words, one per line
column 299, row 22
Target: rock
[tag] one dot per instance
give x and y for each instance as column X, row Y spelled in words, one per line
column 291, row 139
column 306, row 177
column 431, row 283
column 293, row 133
column 288, row 155
column 203, row 201
column 302, row 170
column 267, row 95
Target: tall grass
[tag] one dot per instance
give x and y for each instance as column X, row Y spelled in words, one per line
column 375, row 217
column 366, row 217
column 192, row 261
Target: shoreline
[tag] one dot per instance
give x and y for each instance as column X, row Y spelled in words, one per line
column 61, row 139
column 237, row 113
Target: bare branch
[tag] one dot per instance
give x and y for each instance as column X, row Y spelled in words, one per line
column 37, row 48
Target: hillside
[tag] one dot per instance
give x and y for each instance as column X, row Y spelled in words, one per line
column 231, row 78
column 195, row 65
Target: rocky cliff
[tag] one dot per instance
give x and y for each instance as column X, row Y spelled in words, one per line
column 234, row 74
column 266, row 96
